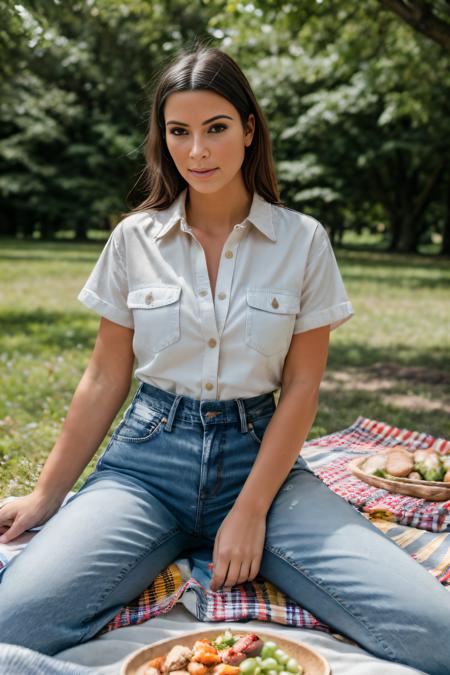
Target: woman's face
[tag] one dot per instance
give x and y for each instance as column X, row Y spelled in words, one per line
column 196, row 141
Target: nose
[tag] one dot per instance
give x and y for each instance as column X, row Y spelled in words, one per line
column 198, row 148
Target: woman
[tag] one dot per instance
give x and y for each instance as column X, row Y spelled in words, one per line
column 223, row 295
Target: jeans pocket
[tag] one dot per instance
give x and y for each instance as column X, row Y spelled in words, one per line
column 270, row 319
column 139, row 424
column 156, row 316
column 258, row 426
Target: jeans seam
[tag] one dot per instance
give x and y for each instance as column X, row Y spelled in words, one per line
column 123, row 573
column 279, row 553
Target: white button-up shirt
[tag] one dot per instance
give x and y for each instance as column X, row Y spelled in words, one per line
column 277, row 276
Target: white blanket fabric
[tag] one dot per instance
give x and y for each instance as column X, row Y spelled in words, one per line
column 106, row 653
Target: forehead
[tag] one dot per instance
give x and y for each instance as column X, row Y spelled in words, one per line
column 196, row 105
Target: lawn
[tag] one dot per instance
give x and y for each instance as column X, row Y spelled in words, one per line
column 391, row 361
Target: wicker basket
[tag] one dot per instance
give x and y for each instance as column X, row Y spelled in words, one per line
column 433, row 491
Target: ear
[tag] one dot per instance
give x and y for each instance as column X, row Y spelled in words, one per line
column 249, row 129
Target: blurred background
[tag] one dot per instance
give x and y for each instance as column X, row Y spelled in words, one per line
column 357, row 98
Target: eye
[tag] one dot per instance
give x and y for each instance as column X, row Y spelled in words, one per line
column 221, row 128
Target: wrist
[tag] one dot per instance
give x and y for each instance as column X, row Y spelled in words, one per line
column 251, row 506
column 48, row 495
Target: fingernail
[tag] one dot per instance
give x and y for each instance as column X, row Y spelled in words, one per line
column 210, row 565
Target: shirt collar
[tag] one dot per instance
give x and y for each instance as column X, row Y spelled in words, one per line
column 260, row 215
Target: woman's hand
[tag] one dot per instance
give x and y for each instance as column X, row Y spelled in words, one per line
column 238, row 549
column 23, row 513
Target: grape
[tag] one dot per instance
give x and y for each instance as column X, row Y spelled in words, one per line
column 258, row 659
column 268, row 649
column 292, row 666
column 281, row 656
column 270, row 664
column 248, row 666
column 257, row 670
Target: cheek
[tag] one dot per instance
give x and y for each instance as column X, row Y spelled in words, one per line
column 173, row 148
column 231, row 151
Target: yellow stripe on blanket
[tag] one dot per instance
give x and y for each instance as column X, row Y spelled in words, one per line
column 443, row 565
column 406, row 538
column 167, row 582
column 425, row 552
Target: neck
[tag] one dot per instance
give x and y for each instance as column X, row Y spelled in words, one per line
column 217, row 213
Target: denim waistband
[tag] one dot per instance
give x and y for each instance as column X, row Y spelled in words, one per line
column 205, row 411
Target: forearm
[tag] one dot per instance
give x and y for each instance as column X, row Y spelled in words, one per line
column 280, row 447
column 93, row 408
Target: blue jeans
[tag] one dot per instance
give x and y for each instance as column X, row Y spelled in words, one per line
column 169, row 475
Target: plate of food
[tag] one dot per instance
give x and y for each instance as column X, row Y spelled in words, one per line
column 416, row 473
column 219, row 652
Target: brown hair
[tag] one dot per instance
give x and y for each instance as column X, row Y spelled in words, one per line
column 208, row 68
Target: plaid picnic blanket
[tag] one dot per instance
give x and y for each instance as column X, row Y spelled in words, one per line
column 419, row 527
column 329, row 456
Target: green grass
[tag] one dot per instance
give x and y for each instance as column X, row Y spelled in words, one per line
column 390, row 362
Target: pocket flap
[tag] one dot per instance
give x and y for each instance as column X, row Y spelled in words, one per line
column 273, row 300
column 153, row 296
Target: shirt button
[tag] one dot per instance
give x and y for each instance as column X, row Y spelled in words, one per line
column 149, row 298
column 203, row 293
column 212, row 342
column 275, row 303
column 228, row 254
column 222, row 296
column 209, row 386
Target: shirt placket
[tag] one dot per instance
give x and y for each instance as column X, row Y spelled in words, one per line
column 212, row 318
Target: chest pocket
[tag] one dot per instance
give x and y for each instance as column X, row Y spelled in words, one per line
column 270, row 318
column 156, row 314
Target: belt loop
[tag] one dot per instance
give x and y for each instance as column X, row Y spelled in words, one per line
column 173, row 410
column 242, row 415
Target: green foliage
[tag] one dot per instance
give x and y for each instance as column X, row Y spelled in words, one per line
column 357, row 104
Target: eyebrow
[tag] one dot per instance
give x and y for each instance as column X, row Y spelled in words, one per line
column 211, row 119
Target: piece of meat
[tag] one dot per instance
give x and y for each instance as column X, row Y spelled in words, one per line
column 250, row 645
column 157, row 663
column 177, row 659
column 225, row 669
column 231, row 657
column 204, row 652
column 196, row 668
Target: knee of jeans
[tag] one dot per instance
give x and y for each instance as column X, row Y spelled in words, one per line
column 32, row 622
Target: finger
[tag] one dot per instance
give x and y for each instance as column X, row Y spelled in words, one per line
column 233, row 574
column 220, row 573
column 215, row 549
column 214, row 583
column 254, row 569
column 245, row 572
column 6, row 520
column 14, row 531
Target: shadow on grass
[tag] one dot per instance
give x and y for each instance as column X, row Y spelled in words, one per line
column 334, row 415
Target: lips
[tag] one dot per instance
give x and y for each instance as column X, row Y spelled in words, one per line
column 203, row 172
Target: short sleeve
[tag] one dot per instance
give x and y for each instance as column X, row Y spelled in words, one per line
column 323, row 297
column 106, row 289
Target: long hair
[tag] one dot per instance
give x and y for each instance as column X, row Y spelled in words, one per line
column 204, row 68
